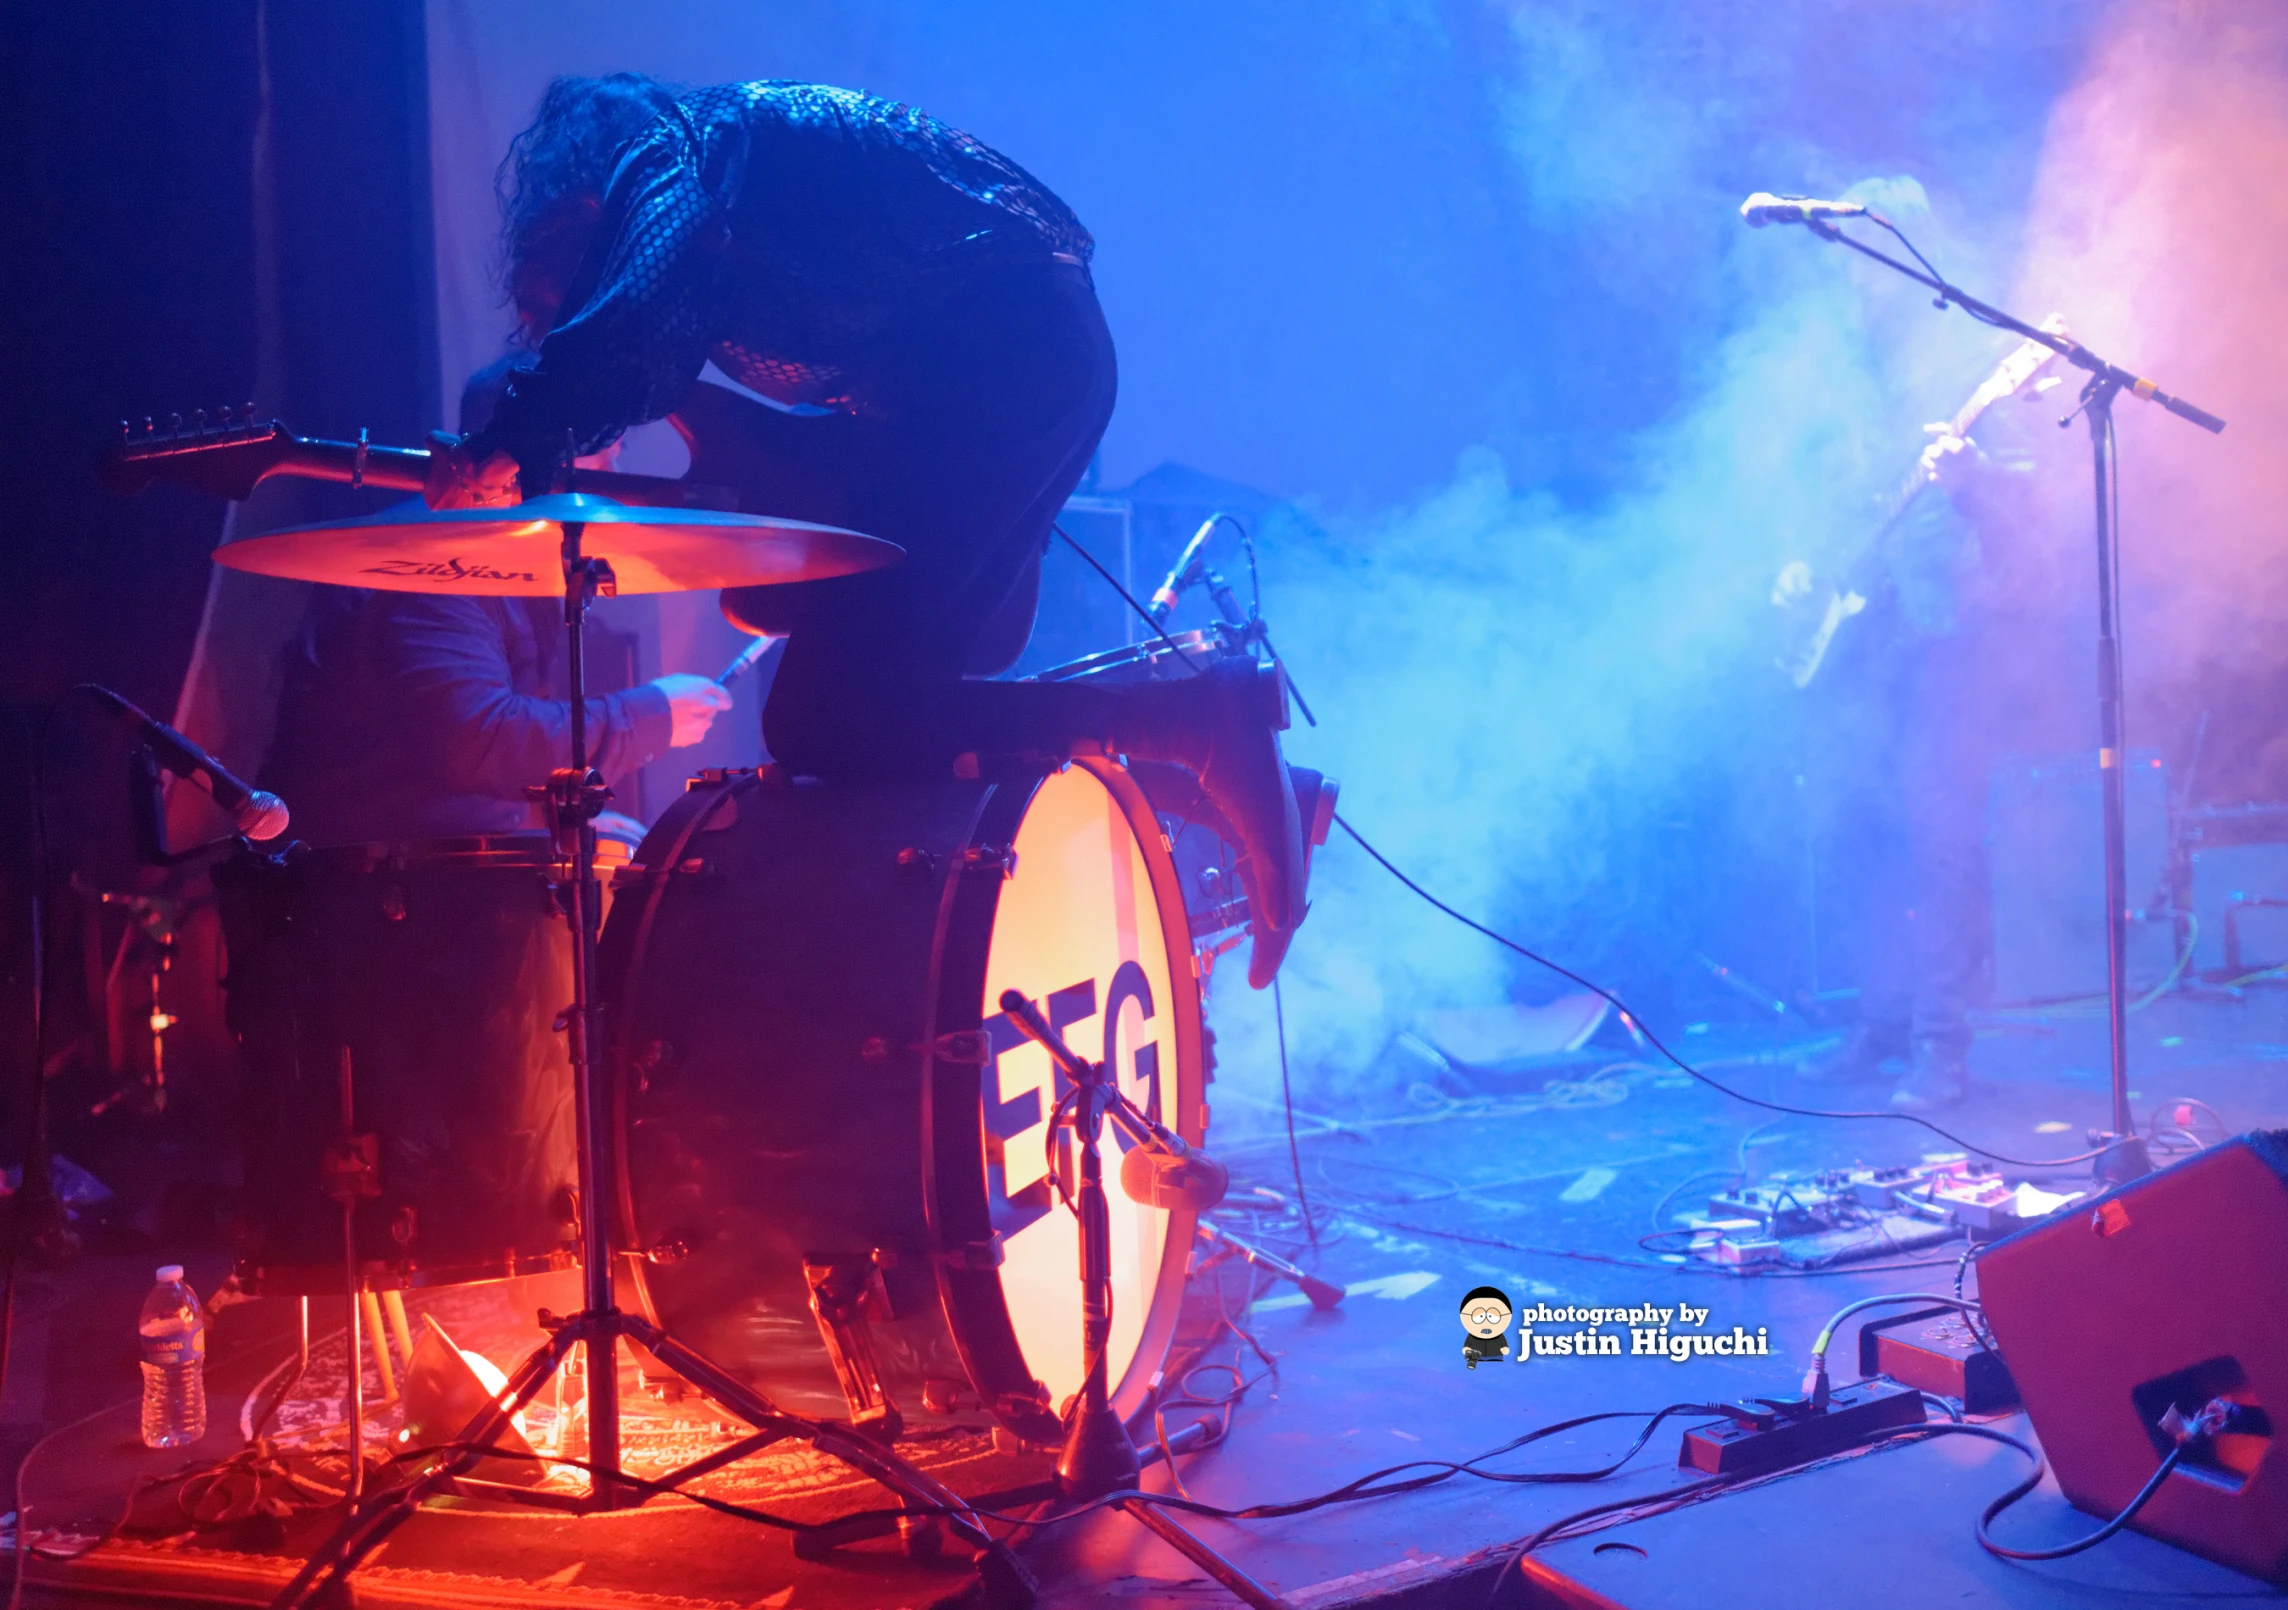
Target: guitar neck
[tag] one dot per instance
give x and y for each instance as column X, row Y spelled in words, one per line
column 1895, row 507
column 406, row 469
column 231, row 458
column 396, row 469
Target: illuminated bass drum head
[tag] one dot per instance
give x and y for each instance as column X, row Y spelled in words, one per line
column 1084, row 930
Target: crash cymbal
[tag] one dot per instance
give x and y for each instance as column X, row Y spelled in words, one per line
column 515, row 550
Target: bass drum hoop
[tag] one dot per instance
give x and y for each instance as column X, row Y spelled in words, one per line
column 976, row 1307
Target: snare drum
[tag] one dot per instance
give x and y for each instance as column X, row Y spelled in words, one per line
column 440, row 967
column 817, row 1094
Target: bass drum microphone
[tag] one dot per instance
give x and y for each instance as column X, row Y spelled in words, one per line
column 1157, row 1177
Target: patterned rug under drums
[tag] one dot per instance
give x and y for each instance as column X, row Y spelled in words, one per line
column 109, row 1517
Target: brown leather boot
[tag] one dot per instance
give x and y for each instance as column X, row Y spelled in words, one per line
column 1174, row 791
column 1315, row 809
column 1224, row 727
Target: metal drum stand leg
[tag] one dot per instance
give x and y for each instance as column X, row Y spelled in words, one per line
column 573, row 797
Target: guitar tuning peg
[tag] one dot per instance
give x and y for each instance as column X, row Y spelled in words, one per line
column 125, row 429
column 150, row 426
column 174, row 421
column 199, row 420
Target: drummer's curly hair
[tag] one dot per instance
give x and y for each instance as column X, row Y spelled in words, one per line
column 552, row 180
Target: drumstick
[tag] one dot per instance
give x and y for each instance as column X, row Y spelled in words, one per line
column 746, row 661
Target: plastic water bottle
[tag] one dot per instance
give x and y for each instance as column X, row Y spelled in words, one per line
column 174, row 1331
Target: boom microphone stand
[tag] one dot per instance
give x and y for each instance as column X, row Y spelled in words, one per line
column 2123, row 1155
column 572, row 799
column 1098, row 1459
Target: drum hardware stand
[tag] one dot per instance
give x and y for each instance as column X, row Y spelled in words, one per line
column 572, row 799
column 2122, row 1154
column 1324, row 1294
column 845, row 1293
column 1099, row 1459
column 350, row 1173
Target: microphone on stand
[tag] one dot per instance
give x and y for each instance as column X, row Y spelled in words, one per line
column 258, row 813
column 1765, row 208
column 1186, row 572
column 1161, row 1169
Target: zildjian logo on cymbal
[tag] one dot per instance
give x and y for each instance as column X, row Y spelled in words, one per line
column 446, row 570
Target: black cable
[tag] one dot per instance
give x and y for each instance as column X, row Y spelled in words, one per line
column 1678, row 1062
column 1977, row 1318
column 1393, row 1480
column 1728, row 1271
column 1374, row 1484
column 19, row 1220
column 1142, row 613
column 2128, row 1513
column 1899, row 235
column 1287, row 1100
column 656, row 1489
column 1691, row 1492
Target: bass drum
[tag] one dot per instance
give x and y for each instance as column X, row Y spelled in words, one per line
column 810, row 1073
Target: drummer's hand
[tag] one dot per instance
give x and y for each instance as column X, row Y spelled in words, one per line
column 456, row 481
column 694, row 702
column 622, row 829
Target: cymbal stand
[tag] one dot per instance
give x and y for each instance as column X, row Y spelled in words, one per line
column 1098, row 1459
column 572, row 799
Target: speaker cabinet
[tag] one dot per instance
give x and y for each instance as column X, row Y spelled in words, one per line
column 2171, row 1289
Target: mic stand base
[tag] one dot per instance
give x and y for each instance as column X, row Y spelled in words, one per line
column 2123, row 1159
column 1098, row 1457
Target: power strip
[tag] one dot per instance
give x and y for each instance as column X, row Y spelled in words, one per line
column 1772, row 1434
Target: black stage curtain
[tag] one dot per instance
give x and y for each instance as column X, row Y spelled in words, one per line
column 207, row 204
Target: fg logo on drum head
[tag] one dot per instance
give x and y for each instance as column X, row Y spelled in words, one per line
column 1008, row 1120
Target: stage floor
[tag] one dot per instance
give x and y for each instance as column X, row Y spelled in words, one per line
column 1541, row 1191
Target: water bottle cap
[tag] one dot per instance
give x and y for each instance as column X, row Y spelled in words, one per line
column 170, row 1272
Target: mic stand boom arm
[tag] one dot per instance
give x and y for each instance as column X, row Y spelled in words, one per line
column 2122, row 1155
column 2108, row 374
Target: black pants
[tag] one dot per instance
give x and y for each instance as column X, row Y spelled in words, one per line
column 975, row 420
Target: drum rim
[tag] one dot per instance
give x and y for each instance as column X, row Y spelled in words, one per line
column 532, row 849
column 979, row 1294
column 259, row 1279
column 1158, row 648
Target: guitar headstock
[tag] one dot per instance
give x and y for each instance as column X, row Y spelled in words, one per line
column 225, row 453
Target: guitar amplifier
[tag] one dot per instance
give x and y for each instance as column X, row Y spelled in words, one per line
column 2237, row 857
column 1079, row 613
column 2045, row 842
column 2168, row 1291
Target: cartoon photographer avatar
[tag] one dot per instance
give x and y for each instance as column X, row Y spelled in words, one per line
column 1485, row 1318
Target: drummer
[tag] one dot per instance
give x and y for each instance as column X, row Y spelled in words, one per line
column 921, row 310
column 412, row 716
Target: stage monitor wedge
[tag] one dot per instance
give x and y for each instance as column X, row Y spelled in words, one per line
column 2171, row 1289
